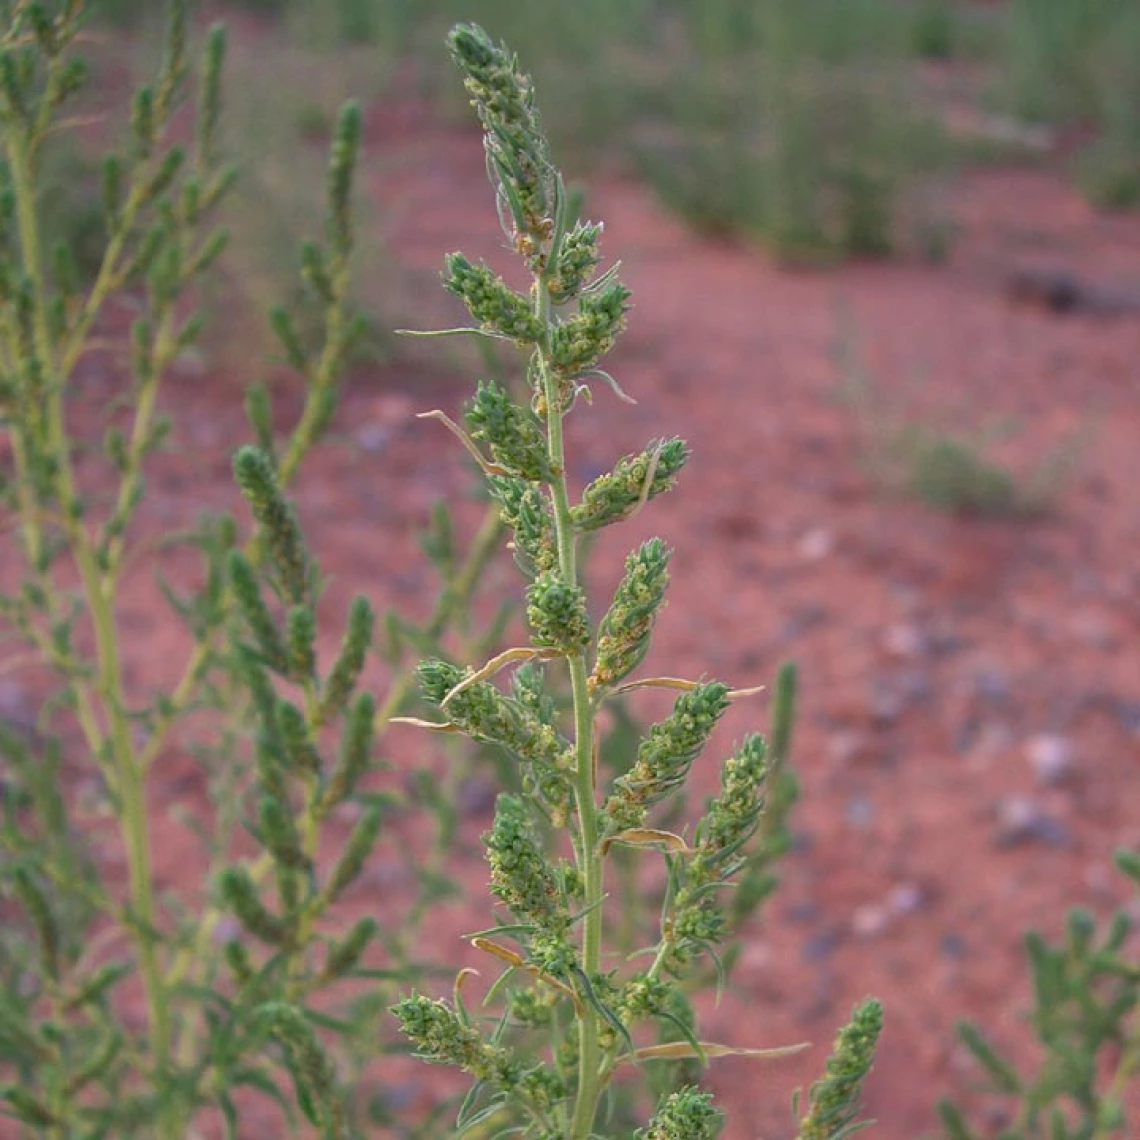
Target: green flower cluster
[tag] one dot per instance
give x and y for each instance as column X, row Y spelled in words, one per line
column 623, row 634
column 665, row 756
column 521, row 874
column 579, row 343
column 614, row 496
column 577, row 260
column 833, row 1102
column 687, row 1114
column 254, row 472
column 489, row 716
column 523, row 508
column 491, row 302
column 556, row 612
column 513, row 433
column 517, row 151
column 441, row 1036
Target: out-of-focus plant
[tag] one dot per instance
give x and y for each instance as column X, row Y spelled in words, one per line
column 1086, row 989
column 127, row 1009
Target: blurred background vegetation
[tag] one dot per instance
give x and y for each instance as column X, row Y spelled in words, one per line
column 818, row 129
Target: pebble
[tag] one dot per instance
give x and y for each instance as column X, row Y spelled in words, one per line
column 820, row 946
column 860, row 812
column 1051, row 757
column 845, row 747
column 870, row 920
column 1021, row 819
column 816, row 544
column 953, row 945
column 905, row 898
column 905, row 640
column 992, row 685
column 374, row 438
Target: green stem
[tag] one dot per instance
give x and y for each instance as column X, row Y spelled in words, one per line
column 128, row 773
column 585, row 791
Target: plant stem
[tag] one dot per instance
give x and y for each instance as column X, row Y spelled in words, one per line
column 585, row 792
column 129, row 776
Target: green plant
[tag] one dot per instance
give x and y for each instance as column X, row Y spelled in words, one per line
column 1086, row 992
column 127, row 1010
column 918, row 454
column 570, row 1017
column 933, row 35
column 793, row 131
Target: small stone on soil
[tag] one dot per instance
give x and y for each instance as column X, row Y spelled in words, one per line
column 1051, row 758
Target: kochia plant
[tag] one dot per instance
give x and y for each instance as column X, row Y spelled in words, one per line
column 571, row 1018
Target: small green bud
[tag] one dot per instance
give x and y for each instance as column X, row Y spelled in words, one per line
column 173, row 67
column 344, row 955
column 665, row 756
column 491, row 302
column 577, row 344
column 278, row 832
column 257, row 479
column 687, row 1114
column 210, row 96
column 346, row 670
column 513, row 433
column 99, row 983
column 342, row 166
column 356, row 851
column 35, row 902
column 521, row 875
column 614, row 496
column 28, row 1108
column 523, row 508
column 355, row 751
column 733, row 817
column 286, row 332
column 643, row 996
column 237, row 959
column 259, row 412
column 164, row 175
column 143, row 120
column 241, row 898
column 300, row 640
column 311, row 1065
column 315, row 272
column 115, row 448
column 577, row 259
column 208, row 252
column 300, row 752
column 834, row 1099
column 251, row 603
column 623, row 634
column 442, row 1037
column 556, row 613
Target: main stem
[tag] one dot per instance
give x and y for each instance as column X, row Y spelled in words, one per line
column 585, row 792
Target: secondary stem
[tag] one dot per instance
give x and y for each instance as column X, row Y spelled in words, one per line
column 129, row 778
